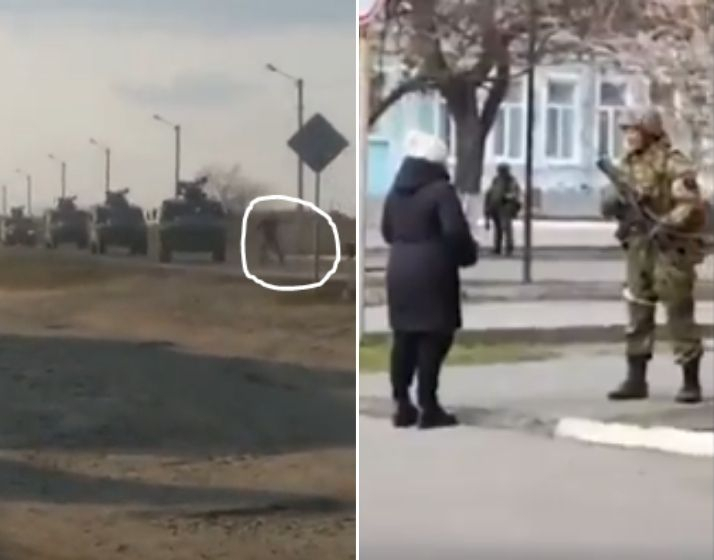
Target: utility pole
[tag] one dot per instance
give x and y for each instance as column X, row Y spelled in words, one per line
column 527, row 214
column 64, row 179
column 300, row 85
column 63, row 174
column 177, row 128
column 4, row 200
column 177, row 163
column 301, row 117
column 28, row 178
column 107, row 163
column 29, row 195
column 108, row 170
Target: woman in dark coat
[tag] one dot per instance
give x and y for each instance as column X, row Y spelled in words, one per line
column 425, row 226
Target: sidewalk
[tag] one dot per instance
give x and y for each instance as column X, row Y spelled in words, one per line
column 538, row 397
column 567, row 321
column 545, row 233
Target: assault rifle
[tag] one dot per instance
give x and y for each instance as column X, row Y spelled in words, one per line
column 631, row 215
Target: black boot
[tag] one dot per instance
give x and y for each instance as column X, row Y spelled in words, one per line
column 691, row 391
column 436, row 417
column 405, row 414
column 635, row 385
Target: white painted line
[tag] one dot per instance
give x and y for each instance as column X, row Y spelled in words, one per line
column 670, row 440
column 298, row 287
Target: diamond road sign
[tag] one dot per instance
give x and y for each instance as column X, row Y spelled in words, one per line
column 318, row 143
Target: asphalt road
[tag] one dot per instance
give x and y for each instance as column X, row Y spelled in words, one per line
column 474, row 493
column 501, row 488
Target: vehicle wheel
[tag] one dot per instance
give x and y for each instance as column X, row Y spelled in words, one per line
column 164, row 253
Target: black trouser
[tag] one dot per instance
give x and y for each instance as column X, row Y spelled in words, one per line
column 423, row 354
column 502, row 227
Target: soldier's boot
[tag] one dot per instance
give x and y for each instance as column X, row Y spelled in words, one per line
column 635, row 385
column 405, row 414
column 691, row 390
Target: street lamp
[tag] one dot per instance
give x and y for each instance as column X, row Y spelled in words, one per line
column 28, row 177
column 300, row 85
column 177, row 130
column 63, row 177
column 528, row 202
column 108, row 162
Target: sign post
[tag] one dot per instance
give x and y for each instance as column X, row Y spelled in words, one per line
column 317, row 144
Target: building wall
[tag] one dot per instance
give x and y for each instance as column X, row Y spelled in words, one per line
column 564, row 186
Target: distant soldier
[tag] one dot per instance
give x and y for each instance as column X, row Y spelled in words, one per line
column 660, row 267
column 268, row 228
column 502, row 204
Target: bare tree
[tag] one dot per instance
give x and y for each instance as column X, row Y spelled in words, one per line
column 468, row 51
column 231, row 186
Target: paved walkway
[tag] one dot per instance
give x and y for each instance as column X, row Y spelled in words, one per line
column 530, row 315
column 528, row 395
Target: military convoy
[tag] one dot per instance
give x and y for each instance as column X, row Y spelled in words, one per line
column 118, row 223
column 192, row 222
column 19, row 229
column 66, row 224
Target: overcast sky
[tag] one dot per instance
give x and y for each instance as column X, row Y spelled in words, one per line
column 75, row 69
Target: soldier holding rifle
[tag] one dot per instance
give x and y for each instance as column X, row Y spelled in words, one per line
column 661, row 216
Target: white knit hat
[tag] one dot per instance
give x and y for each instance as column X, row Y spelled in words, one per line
column 420, row 145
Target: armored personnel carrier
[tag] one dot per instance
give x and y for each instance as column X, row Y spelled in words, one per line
column 192, row 222
column 66, row 223
column 18, row 229
column 118, row 223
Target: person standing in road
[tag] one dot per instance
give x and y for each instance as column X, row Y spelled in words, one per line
column 429, row 239
column 663, row 181
column 270, row 243
column 502, row 203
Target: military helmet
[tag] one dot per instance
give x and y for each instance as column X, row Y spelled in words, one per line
column 647, row 119
column 503, row 167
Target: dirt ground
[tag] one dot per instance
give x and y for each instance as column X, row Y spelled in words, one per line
column 151, row 414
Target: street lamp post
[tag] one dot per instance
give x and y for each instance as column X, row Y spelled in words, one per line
column 300, row 86
column 28, row 178
column 177, row 131
column 528, row 202
column 63, row 176
column 107, row 163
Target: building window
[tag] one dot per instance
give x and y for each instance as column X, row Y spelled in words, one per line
column 560, row 120
column 509, row 127
column 445, row 128
column 611, row 103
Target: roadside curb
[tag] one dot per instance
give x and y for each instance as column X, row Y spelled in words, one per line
column 534, row 335
column 656, row 438
column 663, row 439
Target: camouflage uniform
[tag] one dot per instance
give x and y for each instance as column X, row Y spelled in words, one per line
column 663, row 180
column 501, row 205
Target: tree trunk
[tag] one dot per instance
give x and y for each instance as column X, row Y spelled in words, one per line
column 462, row 104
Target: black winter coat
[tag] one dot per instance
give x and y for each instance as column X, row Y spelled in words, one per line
column 430, row 239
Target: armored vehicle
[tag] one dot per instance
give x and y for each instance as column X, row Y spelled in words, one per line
column 118, row 223
column 18, row 229
column 192, row 222
column 66, row 223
